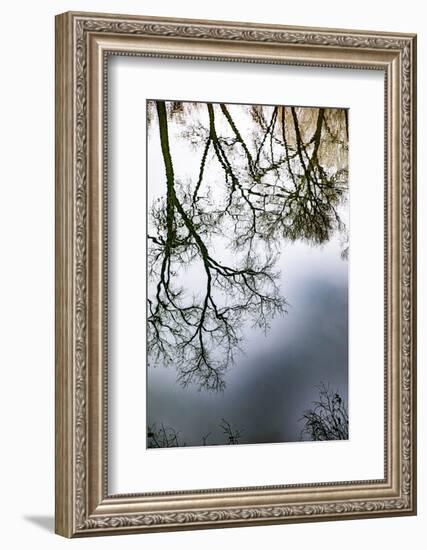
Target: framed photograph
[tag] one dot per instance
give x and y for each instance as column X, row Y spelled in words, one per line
column 235, row 274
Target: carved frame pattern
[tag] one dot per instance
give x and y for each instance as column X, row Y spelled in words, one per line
column 82, row 510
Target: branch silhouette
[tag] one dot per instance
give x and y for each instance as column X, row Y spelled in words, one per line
column 328, row 419
column 277, row 184
column 167, row 436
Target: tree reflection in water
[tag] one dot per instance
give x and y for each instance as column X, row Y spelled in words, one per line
column 266, row 174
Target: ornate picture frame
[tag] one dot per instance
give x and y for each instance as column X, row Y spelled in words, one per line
column 84, row 42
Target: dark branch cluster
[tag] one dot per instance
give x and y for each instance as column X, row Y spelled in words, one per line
column 166, row 436
column 328, row 419
column 273, row 186
column 233, row 436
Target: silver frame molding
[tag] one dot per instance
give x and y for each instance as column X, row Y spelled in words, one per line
column 83, row 43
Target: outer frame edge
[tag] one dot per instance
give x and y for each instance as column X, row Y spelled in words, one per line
column 65, row 497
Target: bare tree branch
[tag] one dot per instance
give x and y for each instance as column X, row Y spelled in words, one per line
column 328, row 418
column 277, row 186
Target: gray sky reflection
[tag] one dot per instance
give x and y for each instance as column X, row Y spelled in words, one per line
column 270, row 385
column 274, row 380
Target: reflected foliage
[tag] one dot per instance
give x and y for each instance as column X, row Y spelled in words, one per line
column 232, row 435
column 264, row 175
column 328, row 418
column 166, row 436
column 161, row 437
